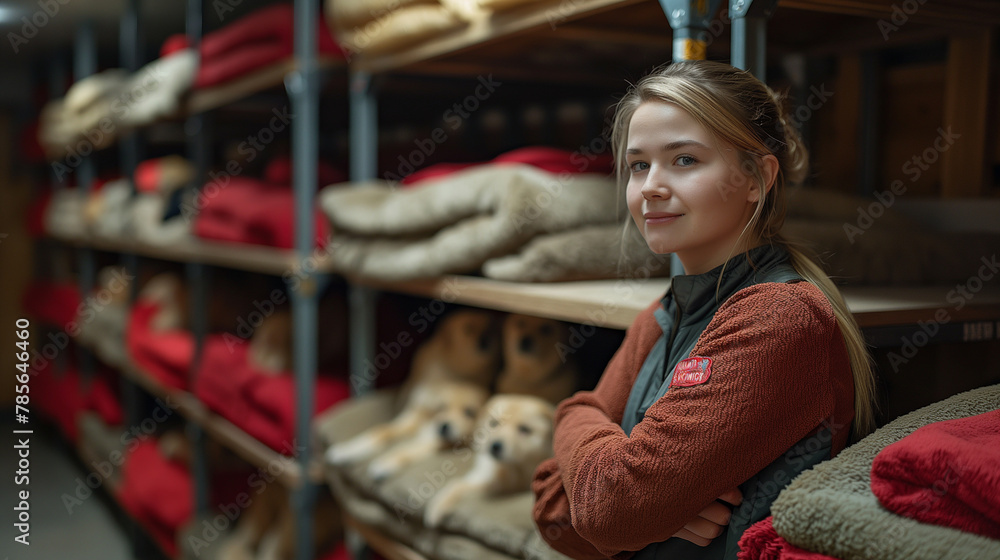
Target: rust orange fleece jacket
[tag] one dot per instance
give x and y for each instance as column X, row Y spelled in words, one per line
column 780, row 371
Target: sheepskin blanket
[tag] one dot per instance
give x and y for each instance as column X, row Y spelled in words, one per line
column 832, row 510
column 456, row 223
column 487, row 529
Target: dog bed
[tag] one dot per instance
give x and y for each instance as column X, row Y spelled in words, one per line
column 455, row 223
column 262, row 405
column 831, row 509
column 945, row 473
column 488, row 529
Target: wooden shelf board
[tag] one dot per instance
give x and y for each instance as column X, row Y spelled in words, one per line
column 499, row 26
column 603, row 303
column 388, row 547
column 289, row 472
column 239, row 256
column 884, row 306
column 268, row 77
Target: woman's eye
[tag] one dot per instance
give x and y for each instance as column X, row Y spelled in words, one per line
column 638, row 166
column 685, row 161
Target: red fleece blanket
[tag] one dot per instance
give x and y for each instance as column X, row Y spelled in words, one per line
column 552, row 160
column 52, row 303
column 62, row 397
column 257, row 40
column 262, row 405
column 945, row 473
column 164, row 355
column 158, row 492
column 762, row 542
column 251, row 211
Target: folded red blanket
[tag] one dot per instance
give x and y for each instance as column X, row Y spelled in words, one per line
column 166, row 355
column 102, row 397
column 762, row 542
column 58, row 397
column 552, row 160
column 945, row 473
column 262, row 405
column 250, row 43
column 156, row 492
column 251, row 211
column 51, row 302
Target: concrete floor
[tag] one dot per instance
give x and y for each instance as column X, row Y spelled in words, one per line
column 89, row 532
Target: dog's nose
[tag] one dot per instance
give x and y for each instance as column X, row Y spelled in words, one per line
column 527, row 344
column 446, row 430
column 496, row 449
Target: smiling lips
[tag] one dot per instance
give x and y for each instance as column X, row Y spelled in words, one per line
column 653, row 218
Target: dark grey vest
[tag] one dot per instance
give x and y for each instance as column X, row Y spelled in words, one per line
column 687, row 308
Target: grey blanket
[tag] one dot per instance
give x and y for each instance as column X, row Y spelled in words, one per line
column 831, row 509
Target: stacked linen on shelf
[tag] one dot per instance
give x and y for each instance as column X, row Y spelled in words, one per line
column 261, row 403
column 251, row 211
column 380, row 26
column 945, row 473
column 250, row 43
column 832, row 509
column 63, row 397
column 164, row 354
column 52, row 303
column 158, row 491
column 564, row 215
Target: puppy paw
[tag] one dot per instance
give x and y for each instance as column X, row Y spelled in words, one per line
column 440, row 505
column 382, row 468
column 348, row 452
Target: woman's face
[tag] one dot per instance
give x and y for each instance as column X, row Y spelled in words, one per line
column 686, row 192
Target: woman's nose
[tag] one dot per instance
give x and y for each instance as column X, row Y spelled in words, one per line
column 656, row 185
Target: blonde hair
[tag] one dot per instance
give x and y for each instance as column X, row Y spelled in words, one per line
column 736, row 107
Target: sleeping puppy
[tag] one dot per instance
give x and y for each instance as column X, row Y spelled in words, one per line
column 437, row 415
column 271, row 344
column 464, row 348
column 513, row 436
column 532, row 361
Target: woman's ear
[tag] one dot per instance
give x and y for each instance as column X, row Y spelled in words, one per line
column 768, row 166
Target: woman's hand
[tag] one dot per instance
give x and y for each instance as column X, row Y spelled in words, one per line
column 710, row 522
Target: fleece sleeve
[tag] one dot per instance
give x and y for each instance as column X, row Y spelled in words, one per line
column 769, row 387
column 607, row 404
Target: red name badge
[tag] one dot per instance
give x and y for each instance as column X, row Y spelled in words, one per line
column 692, row 371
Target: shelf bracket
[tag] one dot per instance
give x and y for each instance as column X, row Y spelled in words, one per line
column 690, row 20
column 749, row 42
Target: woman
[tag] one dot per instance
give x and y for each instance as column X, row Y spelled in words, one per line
column 747, row 372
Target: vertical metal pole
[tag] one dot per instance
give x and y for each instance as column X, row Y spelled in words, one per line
column 303, row 86
column 364, row 167
column 868, row 145
column 84, row 65
column 689, row 20
column 749, row 46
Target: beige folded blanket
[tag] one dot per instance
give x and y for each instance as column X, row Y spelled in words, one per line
column 456, row 223
column 832, row 510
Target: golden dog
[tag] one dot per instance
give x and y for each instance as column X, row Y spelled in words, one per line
column 532, row 364
column 437, row 415
column 513, row 436
column 464, row 348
